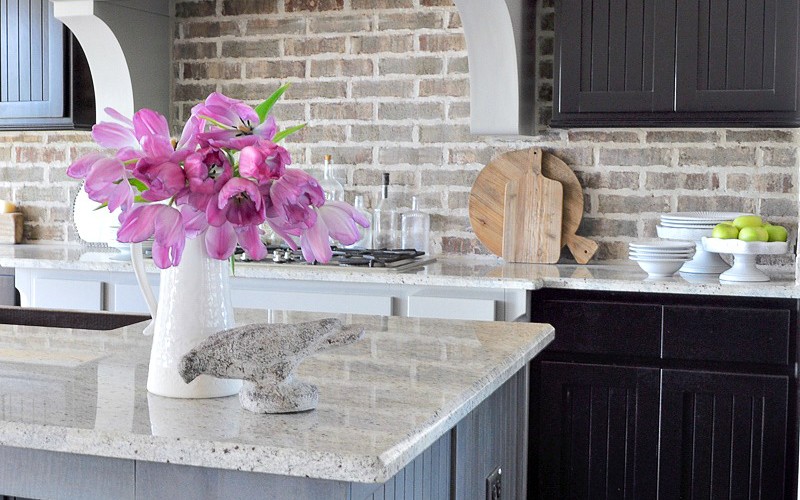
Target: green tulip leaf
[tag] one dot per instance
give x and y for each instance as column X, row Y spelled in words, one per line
column 264, row 108
column 138, row 185
column 287, row 132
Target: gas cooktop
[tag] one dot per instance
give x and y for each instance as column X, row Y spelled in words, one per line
column 385, row 259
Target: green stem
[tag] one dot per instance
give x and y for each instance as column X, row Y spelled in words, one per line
column 233, row 266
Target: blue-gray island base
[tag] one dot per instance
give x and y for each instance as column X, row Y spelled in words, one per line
column 426, row 408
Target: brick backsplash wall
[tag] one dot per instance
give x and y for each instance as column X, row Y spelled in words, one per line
column 384, row 86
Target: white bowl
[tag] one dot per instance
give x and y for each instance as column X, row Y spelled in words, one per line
column 703, row 262
column 647, row 251
column 660, row 268
column 684, row 257
column 661, row 245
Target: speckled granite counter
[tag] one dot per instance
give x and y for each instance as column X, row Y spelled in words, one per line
column 450, row 272
column 383, row 400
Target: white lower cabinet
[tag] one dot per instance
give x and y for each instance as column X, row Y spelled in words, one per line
column 53, row 293
column 425, row 306
column 119, row 292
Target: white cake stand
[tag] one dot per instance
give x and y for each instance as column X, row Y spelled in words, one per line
column 703, row 262
column 744, row 257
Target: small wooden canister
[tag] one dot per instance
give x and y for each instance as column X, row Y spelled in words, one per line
column 11, row 228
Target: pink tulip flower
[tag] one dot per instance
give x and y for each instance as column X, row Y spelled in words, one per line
column 220, row 241
column 161, row 221
column 239, row 202
column 291, row 197
column 207, row 170
column 81, row 167
column 164, row 179
column 194, row 221
column 147, row 133
column 107, row 182
column 234, row 124
column 337, row 220
column 263, row 161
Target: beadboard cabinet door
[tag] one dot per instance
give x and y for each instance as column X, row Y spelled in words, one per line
column 737, row 55
column 613, row 57
column 723, row 435
column 599, row 431
column 32, row 61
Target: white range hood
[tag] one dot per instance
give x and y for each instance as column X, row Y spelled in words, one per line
column 127, row 44
column 501, row 49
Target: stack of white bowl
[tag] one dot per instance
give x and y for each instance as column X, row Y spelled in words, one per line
column 660, row 258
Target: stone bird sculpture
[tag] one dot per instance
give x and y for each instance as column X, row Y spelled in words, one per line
column 264, row 356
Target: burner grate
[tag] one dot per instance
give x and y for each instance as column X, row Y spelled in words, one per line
column 350, row 257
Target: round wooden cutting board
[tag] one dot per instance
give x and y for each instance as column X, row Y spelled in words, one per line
column 486, row 200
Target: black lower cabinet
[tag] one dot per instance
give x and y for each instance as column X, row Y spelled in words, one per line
column 643, row 396
column 723, row 435
column 597, row 438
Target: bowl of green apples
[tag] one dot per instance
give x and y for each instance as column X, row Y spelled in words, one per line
column 746, row 237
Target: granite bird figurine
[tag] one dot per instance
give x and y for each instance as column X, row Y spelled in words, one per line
column 264, row 356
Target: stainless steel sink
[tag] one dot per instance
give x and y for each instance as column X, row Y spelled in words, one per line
column 30, row 316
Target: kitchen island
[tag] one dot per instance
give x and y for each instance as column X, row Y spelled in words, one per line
column 424, row 407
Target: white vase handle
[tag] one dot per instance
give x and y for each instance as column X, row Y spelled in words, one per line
column 137, row 259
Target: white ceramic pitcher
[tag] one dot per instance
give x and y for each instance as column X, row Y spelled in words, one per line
column 194, row 302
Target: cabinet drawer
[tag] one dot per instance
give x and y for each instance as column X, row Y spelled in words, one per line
column 451, row 308
column 744, row 335
column 602, row 327
column 52, row 293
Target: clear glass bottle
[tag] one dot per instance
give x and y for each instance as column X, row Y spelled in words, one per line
column 366, row 232
column 330, row 185
column 386, row 233
column 416, row 228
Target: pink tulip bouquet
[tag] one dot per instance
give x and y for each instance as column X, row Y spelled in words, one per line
column 220, row 181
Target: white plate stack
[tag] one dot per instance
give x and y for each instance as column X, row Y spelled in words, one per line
column 694, row 226
column 661, row 258
column 696, row 220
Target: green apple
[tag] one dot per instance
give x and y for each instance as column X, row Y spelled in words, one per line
column 776, row 233
column 725, row 231
column 753, row 234
column 747, row 221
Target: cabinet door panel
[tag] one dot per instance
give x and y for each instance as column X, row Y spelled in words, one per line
column 612, row 55
column 597, row 431
column 723, row 435
column 32, row 66
column 736, row 55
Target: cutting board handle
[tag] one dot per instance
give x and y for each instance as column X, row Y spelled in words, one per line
column 583, row 249
column 536, row 160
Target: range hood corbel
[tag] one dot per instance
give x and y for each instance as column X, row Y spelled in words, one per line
column 127, row 44
column 500, row 38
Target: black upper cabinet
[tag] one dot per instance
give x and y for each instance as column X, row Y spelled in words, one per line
column 676, row 62
column 44, row 77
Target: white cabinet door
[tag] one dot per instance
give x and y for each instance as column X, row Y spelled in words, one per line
column 53, row 293
column 423, row 306
column 128, row 298
column 313, row 302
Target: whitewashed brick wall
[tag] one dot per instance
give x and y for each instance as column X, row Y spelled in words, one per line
column 384, row 86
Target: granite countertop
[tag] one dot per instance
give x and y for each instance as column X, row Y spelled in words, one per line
column 383, row 400
column 467, row 272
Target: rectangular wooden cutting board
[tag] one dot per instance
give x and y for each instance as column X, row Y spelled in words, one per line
column 533, row 207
